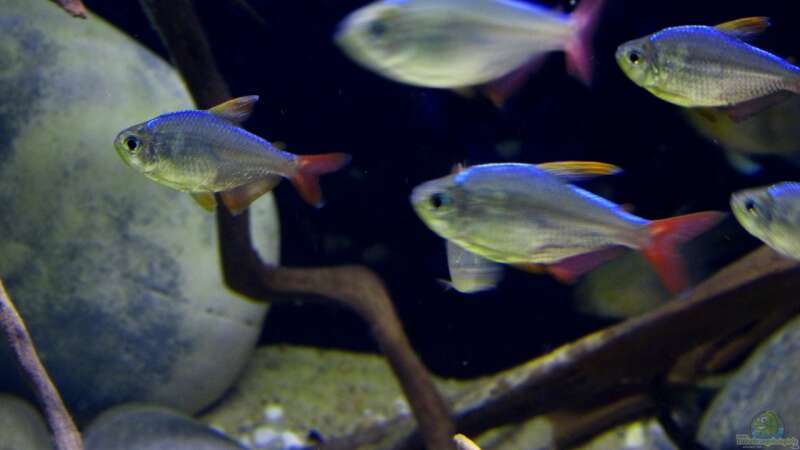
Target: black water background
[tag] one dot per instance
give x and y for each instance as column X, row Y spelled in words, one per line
column 316, row 100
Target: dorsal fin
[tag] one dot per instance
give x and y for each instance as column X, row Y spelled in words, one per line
column 579, row 170
column 235, row 110
column 745, row 28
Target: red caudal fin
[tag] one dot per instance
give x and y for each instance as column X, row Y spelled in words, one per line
column 570, row 269
column 666, row 237
column 579, row 48
column 309, row 168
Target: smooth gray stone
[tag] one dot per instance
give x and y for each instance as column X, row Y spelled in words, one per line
column 117, row 277
column 768, row 381
column 145, row 427
column 21, row 426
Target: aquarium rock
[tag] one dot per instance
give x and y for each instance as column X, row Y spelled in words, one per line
column 21, row 426
column 147, row 427
column 118, row 278
column 768, row 381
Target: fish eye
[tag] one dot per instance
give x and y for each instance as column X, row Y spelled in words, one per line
column 635, row 57
column 750, row 206
column 377, row 28
column 439, row 199
column 132, row 142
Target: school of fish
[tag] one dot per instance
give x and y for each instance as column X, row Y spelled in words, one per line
column 532, row 217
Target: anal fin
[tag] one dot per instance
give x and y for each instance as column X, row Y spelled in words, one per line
column 745, row 110
column 240, row 198
column 206, row 200
column 570, row 269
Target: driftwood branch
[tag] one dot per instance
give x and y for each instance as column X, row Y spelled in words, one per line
column 700, row 334
column 355, row 287
column 75, row 8
column 65, row 434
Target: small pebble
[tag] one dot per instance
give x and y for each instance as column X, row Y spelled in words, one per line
column 273, row 413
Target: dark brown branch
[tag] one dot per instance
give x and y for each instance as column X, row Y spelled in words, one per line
column 75, row 8
column 354, row 287
column 745, row 301
column 65, row 434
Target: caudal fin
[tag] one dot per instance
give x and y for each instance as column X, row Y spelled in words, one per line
column 579, row 48
column 666, row 237
column 309, row 168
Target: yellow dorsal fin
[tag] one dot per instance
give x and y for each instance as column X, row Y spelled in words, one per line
column 235, row 110
column 464, row 443
column 745, row 28
column 206, row 200
column 238, row 199
column 579, row 170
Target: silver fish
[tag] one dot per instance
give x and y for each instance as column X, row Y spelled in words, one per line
column 771, row 214
column 461, row 43
column 522, row 214
column 204, row 152
column 696, row 66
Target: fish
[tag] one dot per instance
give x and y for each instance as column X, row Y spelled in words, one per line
column 465, row 443
column 772, row 214
column 772, row 132
column 203, row 152
column 471, row 273
column 514, row 213
column 704, row 66
column 456, row 44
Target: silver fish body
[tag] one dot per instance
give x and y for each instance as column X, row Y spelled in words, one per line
column 196, row 151
column 698, row 66
column 772, row 214
column 451, row 43
column 518, row 213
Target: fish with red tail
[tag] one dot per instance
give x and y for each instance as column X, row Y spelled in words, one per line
column 523, row 214
column 456, row 44
column 203, row 152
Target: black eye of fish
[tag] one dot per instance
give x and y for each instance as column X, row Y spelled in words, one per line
column 750, row 206
column 377, row 28
column 439, row 199
column 635, row 57
column 132, row 143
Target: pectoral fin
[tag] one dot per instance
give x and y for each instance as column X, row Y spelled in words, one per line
column 470, row 273
column 240, row 198
column 206, row 200
column 579, row 170
column 746, row 28
column 236, row 110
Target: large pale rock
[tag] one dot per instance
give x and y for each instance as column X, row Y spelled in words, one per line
column 117, row 277
column 768, row 381
column 21, row 426
column 147, row 427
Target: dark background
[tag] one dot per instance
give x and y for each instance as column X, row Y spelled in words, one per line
column 316, row 100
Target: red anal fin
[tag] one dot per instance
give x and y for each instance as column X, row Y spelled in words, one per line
column 667, row 236
column 240, row 198
column 309, row 168
column 499, row 90
column 570, row 269
column 745, row 110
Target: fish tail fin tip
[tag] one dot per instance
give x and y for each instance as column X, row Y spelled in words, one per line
column 666, row 237
column 579, row 49
column 309, row 168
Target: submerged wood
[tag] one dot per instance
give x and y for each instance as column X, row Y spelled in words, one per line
column 716, row 323
column 355, row 287
column 75, row 8
column 65, row 433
